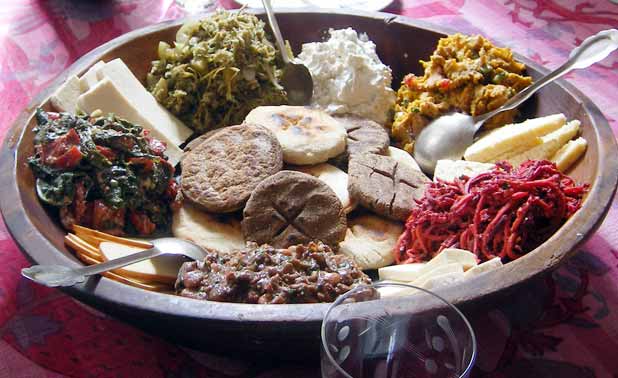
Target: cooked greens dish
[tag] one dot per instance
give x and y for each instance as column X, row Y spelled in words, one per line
column 104, row 173
column 217, row 71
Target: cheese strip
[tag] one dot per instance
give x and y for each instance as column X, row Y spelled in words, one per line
column 423, row 279
column 449, row 170
column 158, row 269
column 487, row 266
column 513, row 139
column 569, row 153
column 108, row 98
column 64, row 98
column 443, row 280
column 410, row 272
column 550, row 144
column 90, row 78
column 157, row 116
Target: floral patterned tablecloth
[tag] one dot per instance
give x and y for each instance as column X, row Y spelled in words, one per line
column 562, row 325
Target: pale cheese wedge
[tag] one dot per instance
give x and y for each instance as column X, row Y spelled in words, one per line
column 158, row 269
column 443, row 280
column 108, row 98
column 64, row 98
column 410, row 272
column 487, row 266
column 402, row 157
column 90, row 78
column 161, row 119
column 550, row 144
column 569, row 153
column 449, row 170
column 395, row 291
column 513, row 138
column 442, row 269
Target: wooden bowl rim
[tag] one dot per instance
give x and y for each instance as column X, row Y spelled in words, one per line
column 103, row 291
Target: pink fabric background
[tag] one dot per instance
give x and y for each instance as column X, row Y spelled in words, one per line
column 564, row 325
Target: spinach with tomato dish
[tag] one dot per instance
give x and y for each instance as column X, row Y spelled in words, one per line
column 104, row 173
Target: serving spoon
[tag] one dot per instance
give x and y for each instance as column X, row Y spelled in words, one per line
column 59, row 275
column 448, row 136
column 296, row 78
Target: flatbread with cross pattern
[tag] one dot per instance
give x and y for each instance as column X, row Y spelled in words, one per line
column 292, row 208
column 385, row 186
column 362, row 136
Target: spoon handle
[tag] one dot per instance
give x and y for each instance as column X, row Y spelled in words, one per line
column 275, row 26
column 592, row 50
column 58, row 275
column 119, row 262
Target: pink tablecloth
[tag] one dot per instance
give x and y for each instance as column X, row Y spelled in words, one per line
column 564, row 325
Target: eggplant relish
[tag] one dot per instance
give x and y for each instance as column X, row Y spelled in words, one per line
column 103, row 172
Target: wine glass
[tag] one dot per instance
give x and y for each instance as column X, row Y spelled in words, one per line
column 392, row 330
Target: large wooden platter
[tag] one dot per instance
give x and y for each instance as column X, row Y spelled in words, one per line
column 286, row 329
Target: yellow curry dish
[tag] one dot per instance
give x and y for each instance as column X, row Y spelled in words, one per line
column 465, row 73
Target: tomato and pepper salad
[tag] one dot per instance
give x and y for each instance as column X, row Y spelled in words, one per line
column 103, row 172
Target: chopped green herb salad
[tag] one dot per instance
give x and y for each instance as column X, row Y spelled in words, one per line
column 217, row 71
column 104, row 173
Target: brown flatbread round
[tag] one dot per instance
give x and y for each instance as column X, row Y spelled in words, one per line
column 363, row 136
column 221, row 172
column 292, row 208
column 385, row 186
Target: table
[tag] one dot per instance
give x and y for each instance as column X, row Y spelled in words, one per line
column 562, row 325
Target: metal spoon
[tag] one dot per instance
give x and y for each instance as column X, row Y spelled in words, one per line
column 296, row 78
column 59, row 275
column 448, row 136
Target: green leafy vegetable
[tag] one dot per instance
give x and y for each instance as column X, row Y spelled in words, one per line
column 218, row 70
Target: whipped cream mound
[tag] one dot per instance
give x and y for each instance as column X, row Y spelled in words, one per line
column 348, row 76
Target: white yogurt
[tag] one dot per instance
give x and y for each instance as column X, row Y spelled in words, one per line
column 348, row 76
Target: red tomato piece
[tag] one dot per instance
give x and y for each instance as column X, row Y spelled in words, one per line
column 142, row 223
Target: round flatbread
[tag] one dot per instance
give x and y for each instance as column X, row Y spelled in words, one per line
column 292, row 208
column 307, row 136
column 385, row 186
column 370, row 240
column 221, row 172
column 335, row 178
column 403, row 157
column 213, row 232
column 363, row 136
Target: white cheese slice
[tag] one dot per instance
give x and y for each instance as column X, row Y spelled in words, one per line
column 410, row 272
column 487, row 266
column 395, row 291
column 403, row 157
column 449, row 170
column 90, row 78
column 106, row 97
column 513, row 139
column 569, row 153
column 132, row 89
column 454, row 267
column 551, row 143
column 160, row 269
column 443, row 280
column 64, row 98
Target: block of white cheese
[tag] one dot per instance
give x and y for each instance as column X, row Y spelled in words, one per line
column 411, row 272
column 449, row 170
column 402, row 157
column 90, row 78
column 569, row 153
column 132, row 89
column 443, row 280
column 513, row 139
column 550, row 144
column 64, row 98
column 487, row 266
column 158, row 269
column 108, row 98
column 422, row 280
